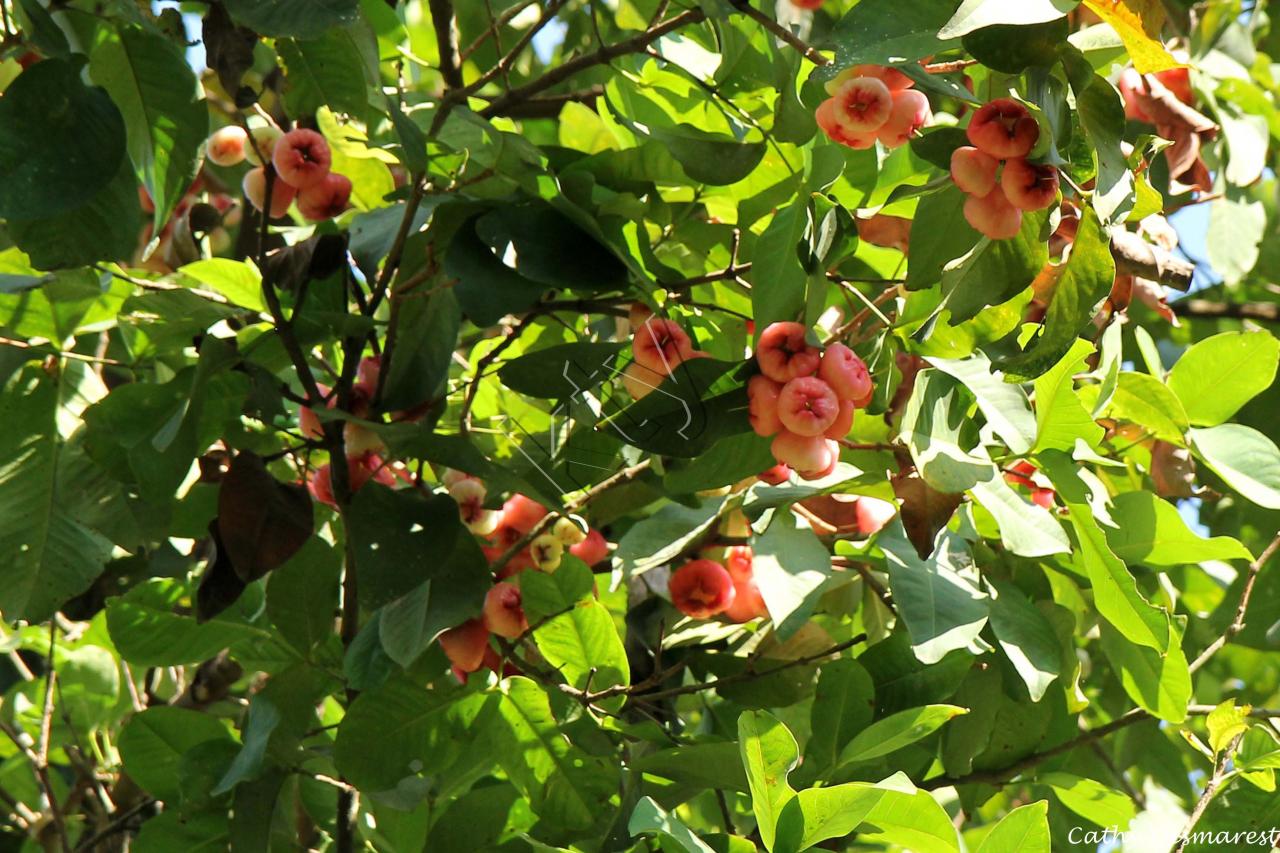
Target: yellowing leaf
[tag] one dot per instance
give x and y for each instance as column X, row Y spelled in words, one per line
column 1138, row 23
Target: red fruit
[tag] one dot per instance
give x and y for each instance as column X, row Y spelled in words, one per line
column 308, row 423
column 521, row 513
column 592, row 550
column 843, row 422
column 862, row 104
column 871, row 514
column 255, row 190
column 801, row 452
column 973, row 171
column 326, row 198
column 777, row 475
column 1042, row 497
column 806, row 4
column 301, row 158
column 226, row 146
column 747, row 604
column 826, row 118
column 1178, row 81
column 784, row 354
column 808, row 406
column 366, row 384
column 466, row 644
column 993, row 215
column 661, row 345
column 1003, row 128
column 738, row 561
column 503, row 614
column 892, row 78
column 1029, row 186
column 831, row 452
column 701, row 589
column 640, row 381
column 846, row 373
column 909, row 113
column 320, row 484
column 762, row 405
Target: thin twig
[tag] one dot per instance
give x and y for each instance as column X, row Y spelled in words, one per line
column 1206, row 796
column 1237, row 623
column 498, row 23
column 806, row 50
column 446, row 29
column 42, row 747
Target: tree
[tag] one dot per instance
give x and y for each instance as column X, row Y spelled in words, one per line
column 638, row 425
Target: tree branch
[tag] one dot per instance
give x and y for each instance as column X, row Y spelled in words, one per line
column 446, row 27
column 1268, row 312
column 1206, row 796
column 606, row 54
column 782, row 33
column 1135, row 256
column 1237, row 623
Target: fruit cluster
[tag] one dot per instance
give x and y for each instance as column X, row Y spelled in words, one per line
column 300, row 160
column 467, row 646
column 705, row 587
column 1002, row 130
column 658, row 347
column 870, row 103
column 805, row 398
column 363, row 446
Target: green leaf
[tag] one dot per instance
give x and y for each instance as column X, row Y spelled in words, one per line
column 239, row 281
column 658, row 539
column 576, row 634
column 816, row 814
column 937, row 598
column 1237, row 223
column 203, row 832
column 399, row 730
column 153, row 743
column 454, row 593
column 293, row 18
column 1004, row 405
column 649, row 817
column 394, row 533
column 1091, row 800
column 940, row 435
column 61, row 142
column 995, row 271
column 1026, row 529
column 302, row 595
column 1226, row 721
column 769, row 753
column 1144, row 400
column 1159, row 683
column 1013, row 48
column 776, row 265
column 424, row 349
column 909, row 818
column 102, row 228
column 1152, row 532
column 1026, row 637
column 843, row 705
column 704, row 764
column 1115, row 592
column 975, row 14
column 896, row 731
column 1246, row 459
column 561, row 371
column 1086, row 282
column 1024, row 829
column 1061, row 417
column 1101, row 114
column 730, row 460
column 563, row 785
column 940, row 235
column 326, row 71
column 51, row 554
column 165, row 116
column 791, row 567
column 1218, row 375
column 885, row 32
column 153, row 624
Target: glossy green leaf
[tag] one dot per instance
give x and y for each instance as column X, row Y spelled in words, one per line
column 153, row 624
column 791, row 566
column 1144, row 400
column 1246, row 459
column 649, row 817
column 1090, row 799
column 769, row 753
column 1024, row 829
column 326, row 71
column 843, row 705
column 1026, row 637
column 1152, row 532
column 166, row 118
column 394, row 534
column 974, row 14
column 1159, row 683
column 1218, row 375
column 896, row 731
column 293, row 18
column 153, row 743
